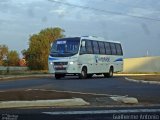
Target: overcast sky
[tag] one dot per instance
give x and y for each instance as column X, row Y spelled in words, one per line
column 21, row 18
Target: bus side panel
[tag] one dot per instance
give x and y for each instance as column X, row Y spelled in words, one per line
column 95, row 63
column 102, row 63
column 87, row 60
column 117, row 62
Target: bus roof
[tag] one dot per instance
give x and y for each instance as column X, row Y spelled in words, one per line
column 98, row 39
column 94, row 38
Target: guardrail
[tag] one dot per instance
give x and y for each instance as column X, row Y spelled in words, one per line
column 7, row 69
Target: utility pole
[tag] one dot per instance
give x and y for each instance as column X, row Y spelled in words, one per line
column 147, row 53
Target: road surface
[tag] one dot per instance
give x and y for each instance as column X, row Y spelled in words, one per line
column 145, row 93
column 120, row 113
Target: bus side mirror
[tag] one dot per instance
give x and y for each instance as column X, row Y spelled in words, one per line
column 82, row 50
column 83, row 43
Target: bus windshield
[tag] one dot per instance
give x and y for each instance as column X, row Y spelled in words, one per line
column 65, row 47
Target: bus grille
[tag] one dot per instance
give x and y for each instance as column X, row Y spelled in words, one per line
column 60, row 63
column 60, row 68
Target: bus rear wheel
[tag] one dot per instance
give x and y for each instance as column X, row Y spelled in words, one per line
column 110, row 74
column 83, row 74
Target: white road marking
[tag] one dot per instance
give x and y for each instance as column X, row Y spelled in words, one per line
column 107, row 95
column 142, row 81
column 119, row 98
column 102, row 112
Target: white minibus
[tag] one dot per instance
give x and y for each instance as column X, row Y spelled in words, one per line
column 85, row 56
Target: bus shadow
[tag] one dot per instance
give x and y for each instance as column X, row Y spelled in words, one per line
column 93, row 78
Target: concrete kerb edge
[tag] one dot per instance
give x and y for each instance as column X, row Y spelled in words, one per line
column 44, row 103
column 129, row 74
column 142, row 81
column 126, row 100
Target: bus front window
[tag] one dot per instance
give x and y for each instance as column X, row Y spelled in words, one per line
column 65, row 47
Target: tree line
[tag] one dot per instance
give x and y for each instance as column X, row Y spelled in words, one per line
column 36, row 55
column 8, row 57
column 39, row 47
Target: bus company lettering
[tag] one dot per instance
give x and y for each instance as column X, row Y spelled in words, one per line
column 102, row 59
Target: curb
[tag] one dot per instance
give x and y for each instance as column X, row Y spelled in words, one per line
column 134, row 74
column 44, row 103
column 126, row 100
column 142, row 81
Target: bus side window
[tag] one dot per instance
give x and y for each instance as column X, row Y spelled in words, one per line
column 101, row 48
column 95, row 47
column 83, row 49
column 108, row 48
column 89, row 47
column 113, row 49
column 119, row 49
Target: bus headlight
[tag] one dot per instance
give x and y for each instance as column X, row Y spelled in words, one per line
column 71, row 62
column 50, row 63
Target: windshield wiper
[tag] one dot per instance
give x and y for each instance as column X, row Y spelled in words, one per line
column 55, row 52
column 68, row 52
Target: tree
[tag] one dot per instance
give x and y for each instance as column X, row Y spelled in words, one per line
column 24, row 53
column 13, row 58
column 3, row 53
column 39, row 47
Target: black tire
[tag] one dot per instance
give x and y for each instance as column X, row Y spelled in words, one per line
column 58, row 76
column 110, row 74
column 63, row 75
column 83, row 74
column 89, row 75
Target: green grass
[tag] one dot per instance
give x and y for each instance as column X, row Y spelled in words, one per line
column 28, row 72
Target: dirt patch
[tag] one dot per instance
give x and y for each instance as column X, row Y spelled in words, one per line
column 32, row 95
column 146, row 77
column 23, row 95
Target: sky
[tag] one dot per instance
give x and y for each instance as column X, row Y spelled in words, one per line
column 135, row 23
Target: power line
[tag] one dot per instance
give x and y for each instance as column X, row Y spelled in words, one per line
column 104, row 11
column 132, row 6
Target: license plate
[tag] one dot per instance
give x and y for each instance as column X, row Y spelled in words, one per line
column 59, row 66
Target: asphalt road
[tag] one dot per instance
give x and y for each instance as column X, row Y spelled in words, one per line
column 145, row 93
column 120, row 113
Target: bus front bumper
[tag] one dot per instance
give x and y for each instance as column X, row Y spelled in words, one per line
column 69, row 68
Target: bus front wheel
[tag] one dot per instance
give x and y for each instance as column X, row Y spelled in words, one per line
column 58, row 76
column 83, row 74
